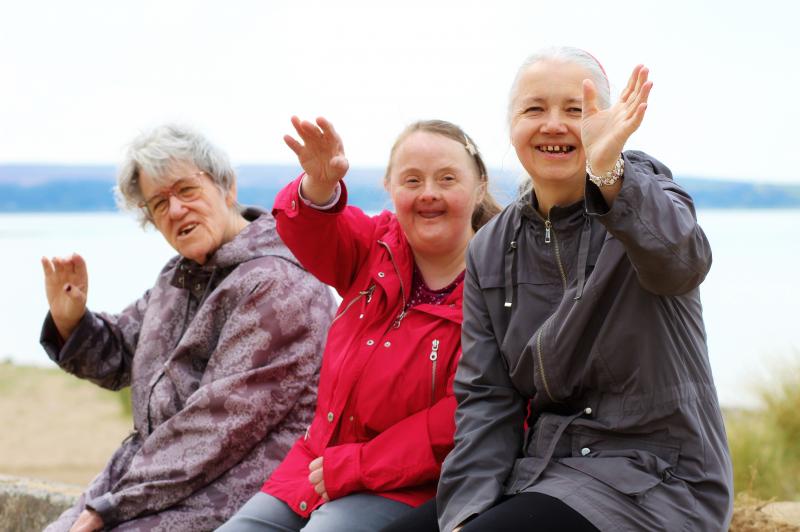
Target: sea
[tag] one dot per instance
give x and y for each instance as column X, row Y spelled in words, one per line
column 751, row 297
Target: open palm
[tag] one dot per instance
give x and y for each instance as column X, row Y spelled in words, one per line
column 322, row 153
column 605, row 131
column 66, row 283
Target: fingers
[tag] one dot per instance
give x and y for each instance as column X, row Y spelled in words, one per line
column 78, row 265
column 632, row 82
column 47, row 267
column 295, row 146
column 589, row 98
column 315, row 464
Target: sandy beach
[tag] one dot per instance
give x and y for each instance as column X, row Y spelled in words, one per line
column 55, row 426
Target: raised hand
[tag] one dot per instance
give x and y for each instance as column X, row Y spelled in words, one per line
column 66, row 283
column 321, row 155
column 604, row 132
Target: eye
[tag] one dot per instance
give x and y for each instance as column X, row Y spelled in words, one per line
column 534, row 109
column 158, row 206
column 188, row 192
column 448, row 178
column 574, row 110
column 411, row 181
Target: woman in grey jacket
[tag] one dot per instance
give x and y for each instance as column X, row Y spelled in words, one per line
column 587, row 324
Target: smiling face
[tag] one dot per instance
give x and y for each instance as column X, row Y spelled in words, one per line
column 546, row 123
column 195, row 228
column 435, row 187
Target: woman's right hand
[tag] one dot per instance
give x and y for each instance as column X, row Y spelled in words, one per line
column 322, row 157
column 66, row 283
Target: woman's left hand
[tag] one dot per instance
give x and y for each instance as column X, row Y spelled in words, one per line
column 88, row 521
column 317, row 479
column 605, row 131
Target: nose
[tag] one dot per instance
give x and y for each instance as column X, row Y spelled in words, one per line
column 430, row 190
column 554, row 123
column 176, row 207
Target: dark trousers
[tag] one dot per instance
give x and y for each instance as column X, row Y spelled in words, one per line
column 524, row 511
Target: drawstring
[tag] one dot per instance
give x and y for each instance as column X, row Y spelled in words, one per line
column 551, row 447
column 510, row 254
column 208, row 285
column 583, row 254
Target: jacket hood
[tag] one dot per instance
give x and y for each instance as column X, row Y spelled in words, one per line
column 258, row 239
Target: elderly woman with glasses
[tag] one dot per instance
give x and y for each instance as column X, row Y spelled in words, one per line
column 221, row 354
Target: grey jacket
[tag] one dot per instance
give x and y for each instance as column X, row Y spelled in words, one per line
column 223, row 361
column 589, row 325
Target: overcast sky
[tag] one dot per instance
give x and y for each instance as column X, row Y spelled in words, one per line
column 81, row 78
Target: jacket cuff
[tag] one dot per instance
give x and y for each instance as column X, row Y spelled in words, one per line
column 289, row 202
column 106, row 507
column 55, row 347
column 633, row 181
column 341, row 469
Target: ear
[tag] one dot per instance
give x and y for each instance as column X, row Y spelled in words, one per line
column 481, row 193
column 230, row 197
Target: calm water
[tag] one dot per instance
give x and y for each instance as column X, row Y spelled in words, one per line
column 750, row 297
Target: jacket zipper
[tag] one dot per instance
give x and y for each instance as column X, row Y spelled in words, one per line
column 402, row 313
column 368, row 292
column 548, row 229
column 549, row 232
column 434, row 356
column 541, row 358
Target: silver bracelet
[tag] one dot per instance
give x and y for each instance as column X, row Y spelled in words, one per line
column 609, row 178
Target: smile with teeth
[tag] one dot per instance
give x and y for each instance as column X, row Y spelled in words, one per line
column 555, row 148
column 186, row 230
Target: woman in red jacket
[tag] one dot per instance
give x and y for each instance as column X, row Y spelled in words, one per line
column 384, row 417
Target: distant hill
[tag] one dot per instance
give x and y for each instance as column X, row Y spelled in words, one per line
column 48, row 188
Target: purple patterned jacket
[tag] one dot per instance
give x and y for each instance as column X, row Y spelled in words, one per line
column 223, row 361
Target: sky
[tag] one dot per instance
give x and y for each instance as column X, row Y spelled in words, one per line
column 80, row 79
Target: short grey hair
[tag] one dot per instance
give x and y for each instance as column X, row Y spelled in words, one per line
column 567, row 54
column 156, row 150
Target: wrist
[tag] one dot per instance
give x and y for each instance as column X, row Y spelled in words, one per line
column 315, row 192
column 605, row 174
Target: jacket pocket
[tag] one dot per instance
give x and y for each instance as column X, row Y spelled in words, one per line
column 630, row 464
column 631, row 472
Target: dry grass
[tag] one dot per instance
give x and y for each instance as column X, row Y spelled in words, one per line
column 748, row 516
column 764, row 442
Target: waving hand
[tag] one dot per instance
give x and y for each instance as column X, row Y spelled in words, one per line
column 604, row 132
column 66, row 283
column 321, row 155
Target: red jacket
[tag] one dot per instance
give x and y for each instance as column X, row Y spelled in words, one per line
column 384, row 417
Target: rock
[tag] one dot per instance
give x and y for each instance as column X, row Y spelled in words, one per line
column 27, row 504
column 785, row 512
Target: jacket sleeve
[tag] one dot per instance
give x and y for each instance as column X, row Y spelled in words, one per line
column 266, row 360
column 654, row 219
column 331, row 244
column 489, row 418
column 101, row 347
column 406, row 454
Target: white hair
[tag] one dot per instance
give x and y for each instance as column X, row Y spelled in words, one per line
column 155, row 151
column 567, row 54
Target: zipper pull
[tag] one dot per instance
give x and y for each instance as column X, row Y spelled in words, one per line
column 434, row 350
column 547, row 226
column 368, row 293
column 399, row 319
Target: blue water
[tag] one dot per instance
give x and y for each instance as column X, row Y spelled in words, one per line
column 750, row 297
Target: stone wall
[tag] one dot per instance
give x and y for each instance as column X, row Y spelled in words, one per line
column 27, row 505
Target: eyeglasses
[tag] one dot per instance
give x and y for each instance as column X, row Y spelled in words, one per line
column 185, row 189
